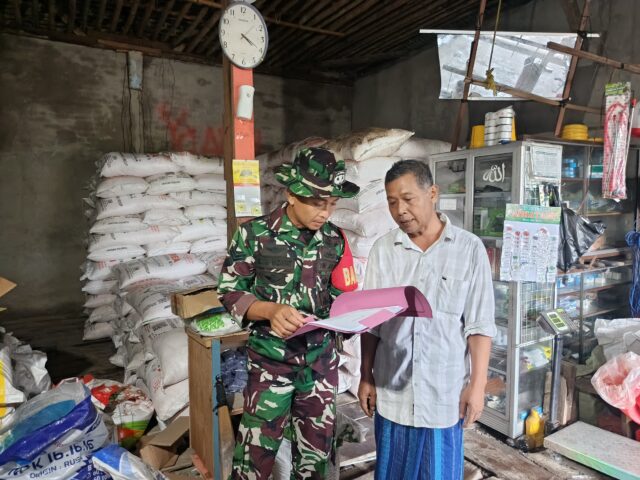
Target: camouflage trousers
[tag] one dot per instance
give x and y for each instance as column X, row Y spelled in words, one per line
column 278, row 395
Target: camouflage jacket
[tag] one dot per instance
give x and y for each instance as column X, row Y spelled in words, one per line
column 269, row 260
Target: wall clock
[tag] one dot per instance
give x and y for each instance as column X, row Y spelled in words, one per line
column 243, row 35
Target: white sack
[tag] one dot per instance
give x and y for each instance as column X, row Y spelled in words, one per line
column 99, row 287
column 117, row 252
column 30, row 371
column 370, row 143
column 196, row 197
column 118, row 186
column 96, row 331
column 371, row 195
column 197, row 164
column 211, row 182
column 375, row 221
column 170, row 183
column 167, row 248
column 137, row 165
column 370, row 170
column 133, row 204
column 172, row 352
column 287, row 153
column 151, row 234
column 210, row 244
column 166, row 267
column 99, row 270
column 166, row 401
column 206, row 211
column 169, row 217
column 95, row 301
column 125, row 223
column 202, row 228
column 106, row 313
column 360, row 246
column 422, row 148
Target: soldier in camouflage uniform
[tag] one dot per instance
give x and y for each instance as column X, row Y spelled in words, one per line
column 277, row 272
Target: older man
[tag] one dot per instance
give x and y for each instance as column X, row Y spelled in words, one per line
column 425, row 378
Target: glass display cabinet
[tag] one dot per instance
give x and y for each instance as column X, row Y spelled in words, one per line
column 475, row 186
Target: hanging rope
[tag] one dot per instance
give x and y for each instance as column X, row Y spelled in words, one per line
column 491, row 82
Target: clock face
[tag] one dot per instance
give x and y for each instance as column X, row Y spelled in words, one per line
column 243, row 35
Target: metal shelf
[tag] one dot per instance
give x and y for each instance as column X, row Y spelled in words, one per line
column 491, row 194
column 453, row 195
column 596, row 312
column 607, row 214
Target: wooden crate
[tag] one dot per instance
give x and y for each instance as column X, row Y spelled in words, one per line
column 202, row 365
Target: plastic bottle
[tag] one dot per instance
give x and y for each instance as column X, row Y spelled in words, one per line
column 534, row 430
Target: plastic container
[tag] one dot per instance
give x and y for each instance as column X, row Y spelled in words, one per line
column 534, row 430
column 477, row 136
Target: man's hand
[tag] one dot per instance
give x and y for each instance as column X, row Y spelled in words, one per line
column 367, row 396
column 285, row 320
column 471, row 404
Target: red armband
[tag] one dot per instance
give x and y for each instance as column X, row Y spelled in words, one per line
column 343, row 276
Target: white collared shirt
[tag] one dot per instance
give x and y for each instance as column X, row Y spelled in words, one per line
column 421, row 364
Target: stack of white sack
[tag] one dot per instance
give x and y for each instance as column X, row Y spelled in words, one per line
column 158, row 226
column 22, row 374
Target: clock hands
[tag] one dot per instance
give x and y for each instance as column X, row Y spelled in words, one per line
column 247, row 39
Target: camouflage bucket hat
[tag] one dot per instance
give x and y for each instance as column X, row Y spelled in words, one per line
column 315, row 172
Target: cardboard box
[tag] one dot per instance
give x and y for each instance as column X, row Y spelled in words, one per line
column 161, row 450
column 5, row 287
column 195, row 301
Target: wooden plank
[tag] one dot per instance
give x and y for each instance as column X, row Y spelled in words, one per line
column 584, row 21
column 85, row 14
column 72, row 16
column 188, row 32
column 183, row 11
column 101, row 9
column 496, row 457
column 165, row 11
column 584, row 443
column 148, row 10
column 133, row 9
column 116, row 15
column 629, row 67
column 212, row 22
column 462, row 109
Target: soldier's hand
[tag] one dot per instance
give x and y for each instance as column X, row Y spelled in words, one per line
column 285, row 320
column 367, row 396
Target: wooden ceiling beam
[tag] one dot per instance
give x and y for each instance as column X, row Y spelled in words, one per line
column 116, row 15
column 148, row 10
column 85, row 14
column 101, row 9
column 52, row 15
column 183, row 11
column 72, row 16
column 203, row 46
column 212, row 22
column 133, row 9
column 189, row 31
column 163, row 18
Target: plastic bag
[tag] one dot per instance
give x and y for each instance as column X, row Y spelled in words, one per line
column 577, row 234
column 122, row 465
column 53, row 436
column 618, row 380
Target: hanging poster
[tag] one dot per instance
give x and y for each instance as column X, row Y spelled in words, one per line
column 246, row 188
column 530, row 243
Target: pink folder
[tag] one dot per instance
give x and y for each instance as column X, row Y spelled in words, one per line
column 357, row 312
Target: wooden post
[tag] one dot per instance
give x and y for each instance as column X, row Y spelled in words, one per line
column 584, row 20
column 238, row 133
column 464, row 103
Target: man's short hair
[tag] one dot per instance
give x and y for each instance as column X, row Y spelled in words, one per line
column 419, row 169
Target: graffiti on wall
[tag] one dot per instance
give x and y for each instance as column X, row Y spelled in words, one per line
column 185, row 135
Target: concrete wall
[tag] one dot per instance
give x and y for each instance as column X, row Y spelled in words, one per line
column 405, row 95
column 63, row 106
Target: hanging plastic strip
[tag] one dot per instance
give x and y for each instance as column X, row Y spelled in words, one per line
column 616, row 140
